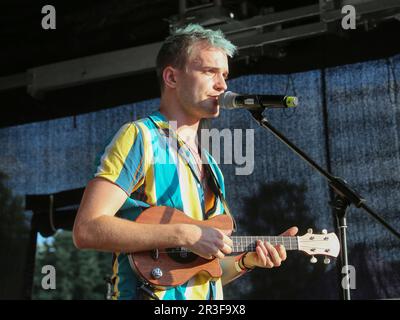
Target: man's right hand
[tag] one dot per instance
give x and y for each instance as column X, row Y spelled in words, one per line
column 207, row 242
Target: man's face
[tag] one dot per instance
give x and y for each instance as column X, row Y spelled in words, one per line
column 202, row 80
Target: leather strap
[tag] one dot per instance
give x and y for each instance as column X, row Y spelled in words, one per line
column 216, row 188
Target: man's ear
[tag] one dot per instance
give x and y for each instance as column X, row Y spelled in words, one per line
column 169, row 77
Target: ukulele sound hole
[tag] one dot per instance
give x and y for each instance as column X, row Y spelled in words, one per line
column 181, row 256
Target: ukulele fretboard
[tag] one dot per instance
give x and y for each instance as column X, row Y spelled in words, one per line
column 249, row 243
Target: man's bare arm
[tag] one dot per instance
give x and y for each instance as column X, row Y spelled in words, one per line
column 96, row 227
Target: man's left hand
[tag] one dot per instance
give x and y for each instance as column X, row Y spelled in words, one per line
column 267, row 255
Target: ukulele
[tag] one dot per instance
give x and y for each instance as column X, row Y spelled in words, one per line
column 172, row 267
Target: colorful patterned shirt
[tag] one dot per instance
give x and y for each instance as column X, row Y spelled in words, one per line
column 152, row 171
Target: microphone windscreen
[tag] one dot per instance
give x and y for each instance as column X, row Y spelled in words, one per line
column 291, row 102
column 226, row 100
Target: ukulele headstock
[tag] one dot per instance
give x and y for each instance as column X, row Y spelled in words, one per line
column 326, row 244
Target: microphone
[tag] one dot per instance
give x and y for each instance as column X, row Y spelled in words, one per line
column 231, row 100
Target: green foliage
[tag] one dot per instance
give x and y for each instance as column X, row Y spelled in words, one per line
column 79, row 273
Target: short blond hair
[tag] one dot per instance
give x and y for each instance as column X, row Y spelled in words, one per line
column 177, row 47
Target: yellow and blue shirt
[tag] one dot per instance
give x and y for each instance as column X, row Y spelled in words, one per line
column 152, row 171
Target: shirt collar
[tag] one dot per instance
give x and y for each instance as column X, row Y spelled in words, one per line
column 158, row 116
column 162, row 123
column 166, row 130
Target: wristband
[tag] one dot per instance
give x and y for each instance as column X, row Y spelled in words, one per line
column 243, row 264
column 239, row 264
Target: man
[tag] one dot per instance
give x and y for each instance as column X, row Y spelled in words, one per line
column 132, row 175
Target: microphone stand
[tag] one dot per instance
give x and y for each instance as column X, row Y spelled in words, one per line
column 344, row 197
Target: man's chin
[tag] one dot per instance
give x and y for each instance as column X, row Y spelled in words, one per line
column 208, row 111
column 214, row 113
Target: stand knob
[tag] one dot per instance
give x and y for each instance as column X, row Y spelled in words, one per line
column 156, row 273
column 327, row 260
column 313, row 259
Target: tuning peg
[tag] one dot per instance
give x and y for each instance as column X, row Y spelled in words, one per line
column 327, row 260
column 324, row 231
column 309, row 230
column 313, row 259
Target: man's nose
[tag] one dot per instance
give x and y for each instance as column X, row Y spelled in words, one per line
column 220, row 84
